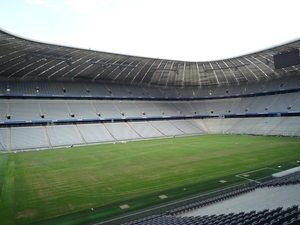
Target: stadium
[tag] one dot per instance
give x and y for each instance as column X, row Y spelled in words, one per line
column 92, row 137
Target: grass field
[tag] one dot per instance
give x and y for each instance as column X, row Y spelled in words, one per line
column 36, row 185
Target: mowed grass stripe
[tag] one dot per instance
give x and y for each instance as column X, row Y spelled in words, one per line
column 60, row 181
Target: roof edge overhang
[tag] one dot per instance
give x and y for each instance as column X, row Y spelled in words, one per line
column 115, row 53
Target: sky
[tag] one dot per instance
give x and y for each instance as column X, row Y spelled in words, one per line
column 188, row 30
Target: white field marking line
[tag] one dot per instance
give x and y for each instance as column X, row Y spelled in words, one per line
column 241, row 175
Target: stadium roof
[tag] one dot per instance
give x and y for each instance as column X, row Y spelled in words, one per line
column 21, row 58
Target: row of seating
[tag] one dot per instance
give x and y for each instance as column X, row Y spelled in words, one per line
column 202, row 203
column 279, row 216
column 32, row 109
column 286, row 180
column 91, row 88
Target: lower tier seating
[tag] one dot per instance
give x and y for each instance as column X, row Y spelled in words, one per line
column 51, row 135
column 279, row 216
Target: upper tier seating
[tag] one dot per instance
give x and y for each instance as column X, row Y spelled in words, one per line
column 86, row 88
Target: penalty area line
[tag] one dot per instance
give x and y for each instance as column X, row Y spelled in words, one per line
column 247, row 174
column 242, row 177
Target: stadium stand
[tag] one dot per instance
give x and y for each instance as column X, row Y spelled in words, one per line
column 183, row 108
column 145, row 130
column 275, row 126
column 279, row 216
column 82, row 109
column 88, row 89
column 128, row 109
column 134, row 90
column 66, row 99
column 28, row 109
column 206, row 202
column 121, row 131
column 116, row 90
column 95, row 133
column 55, row 110
column 96, row 89
column 153, row 92
column 66, row 135
column 293, row 178
column 107, row 109
column 275, row 215
column 34, row 138
column 4, row 110
column 185, row 127
column 148, row 109
column 165, row 109
column 21, row 110
column 4, row 139
column 166, row 128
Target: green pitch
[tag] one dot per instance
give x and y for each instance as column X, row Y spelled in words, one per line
column 94, row 181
